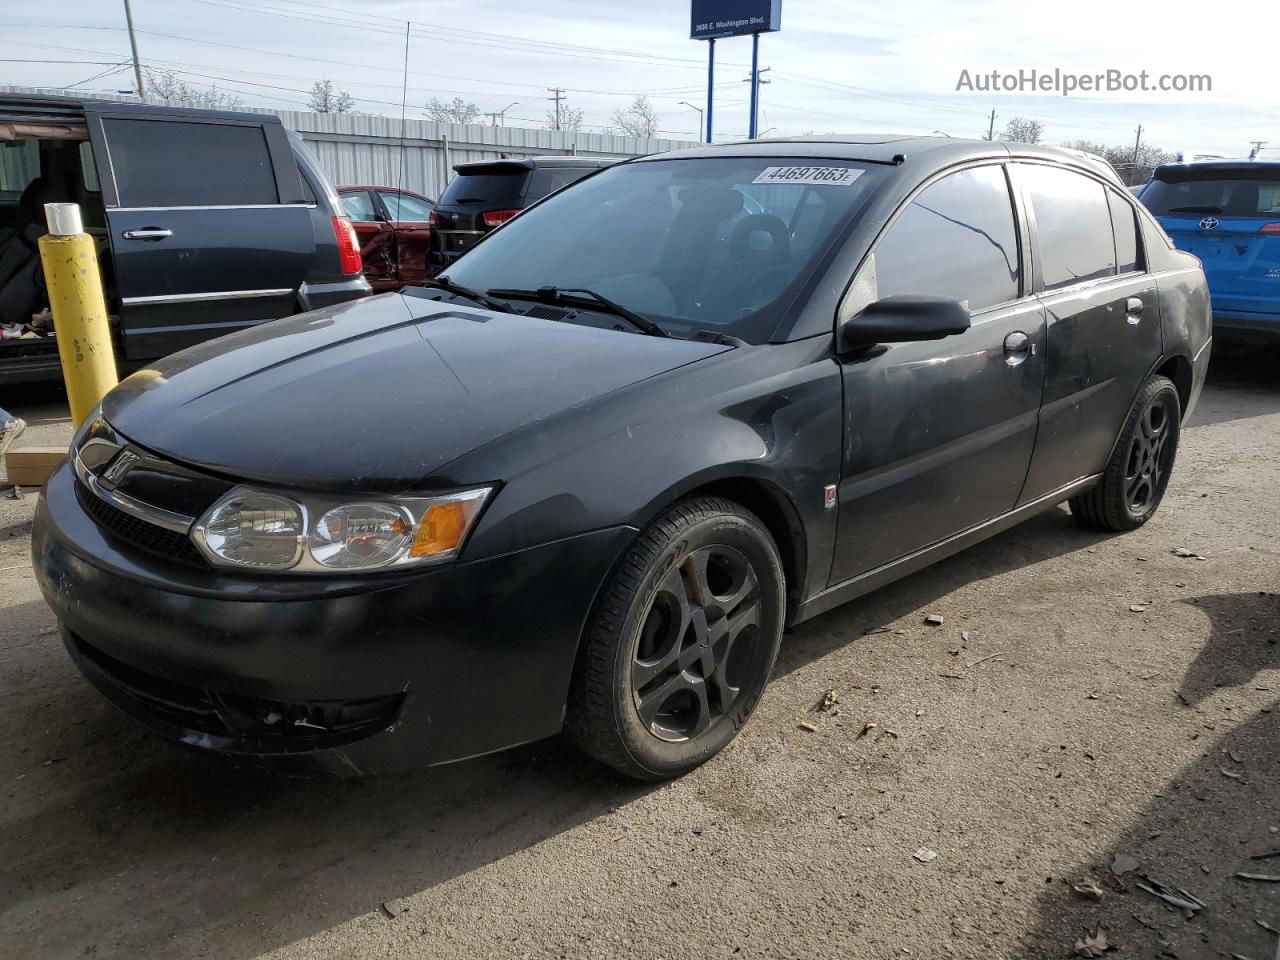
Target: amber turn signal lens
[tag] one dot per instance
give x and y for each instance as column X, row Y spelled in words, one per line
column 441, row 529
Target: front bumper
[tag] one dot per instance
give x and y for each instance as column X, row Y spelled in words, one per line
column 384, row 672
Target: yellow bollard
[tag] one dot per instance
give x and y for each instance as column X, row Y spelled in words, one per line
column 79, row 309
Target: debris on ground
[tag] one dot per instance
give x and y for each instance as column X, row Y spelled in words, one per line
column 1187, row 554
column 1088, row 888
column 994, row 656
column 935, row 619
column 393, row 908
column 829, row 703
column 1174, row 896
column 806, row 725
column 1260, row 877
column 870, row 630
column 1232, row 775
column 1137, row 608
column 1265, row 856
column 866, row 729
column 1094, row 944
column 1122, row 863
column 925, row 855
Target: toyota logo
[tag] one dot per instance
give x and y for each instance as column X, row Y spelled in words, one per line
column 1209, row 223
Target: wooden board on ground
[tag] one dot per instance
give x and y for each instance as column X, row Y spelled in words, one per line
column 33, row 466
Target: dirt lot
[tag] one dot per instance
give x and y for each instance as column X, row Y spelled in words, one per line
column 1087, row 696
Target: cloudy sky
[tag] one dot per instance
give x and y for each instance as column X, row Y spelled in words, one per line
column 837, row 65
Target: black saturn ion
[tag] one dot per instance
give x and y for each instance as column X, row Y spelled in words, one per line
column 581, row 482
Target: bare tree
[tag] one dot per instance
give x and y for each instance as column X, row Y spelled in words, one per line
column 170, row 89
column 323, row 98
column 1022, row 130
column 570, row 119
column 638, row 120
column 454, row 111
column 1131, row 170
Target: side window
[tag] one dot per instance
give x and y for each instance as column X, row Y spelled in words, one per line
column 402, row 206
column 1125, row 225
column 88, row 169
column 19, row 166
column 547, row 180
column 160, row 163
column 358, row 205
column 956, row 239
column 1073, row 225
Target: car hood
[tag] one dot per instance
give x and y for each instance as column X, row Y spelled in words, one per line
column 378, row 394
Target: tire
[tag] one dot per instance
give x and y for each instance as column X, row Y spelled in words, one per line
column 1137, row 474
column 681, row 643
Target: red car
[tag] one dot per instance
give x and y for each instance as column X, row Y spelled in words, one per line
column 394, row 228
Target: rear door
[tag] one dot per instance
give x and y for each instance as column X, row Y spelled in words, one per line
column 376, row 236
column 1229, row 217
column 1103, row 323
column 410, row 217
column 208, row 226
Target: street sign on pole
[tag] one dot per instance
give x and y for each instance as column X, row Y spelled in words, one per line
column 734, row 18
column 713, row 19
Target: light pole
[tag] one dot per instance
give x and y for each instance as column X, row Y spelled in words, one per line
column 686, row 103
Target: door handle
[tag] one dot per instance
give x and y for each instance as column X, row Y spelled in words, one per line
column 148, row 233
column 1133, row 311
column 1017, row 347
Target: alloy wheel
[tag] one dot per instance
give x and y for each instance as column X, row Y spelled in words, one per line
column 696, row 643
column 1147, row 465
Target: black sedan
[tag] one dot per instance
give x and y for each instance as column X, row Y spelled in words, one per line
column 582, row 481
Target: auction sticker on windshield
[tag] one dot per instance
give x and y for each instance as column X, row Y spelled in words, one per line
column 819, row 176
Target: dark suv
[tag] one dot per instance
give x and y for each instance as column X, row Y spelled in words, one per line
column 486, row 195
column 206, row 222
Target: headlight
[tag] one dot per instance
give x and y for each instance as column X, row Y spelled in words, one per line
column 265, row 531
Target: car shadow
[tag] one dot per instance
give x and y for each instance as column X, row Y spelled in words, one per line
column 1239, row 386
column 1218, row 817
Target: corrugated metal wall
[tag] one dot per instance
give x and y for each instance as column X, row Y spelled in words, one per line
column 367, row 150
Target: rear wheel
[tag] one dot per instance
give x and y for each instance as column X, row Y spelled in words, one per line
column 682, row 643
column 1137, row 474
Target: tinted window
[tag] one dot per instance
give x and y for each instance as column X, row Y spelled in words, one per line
column 358, row 206
column 1231, row 193
column 547, row 180
column 500, row 189
column 19, row 165
column 160, row 163
column 402, row 206
column 1073, row 224
column 680, row 241
column 956, row 239
column 88, row 169
column 1126, row 231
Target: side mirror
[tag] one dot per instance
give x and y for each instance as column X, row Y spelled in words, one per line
column 905, row 317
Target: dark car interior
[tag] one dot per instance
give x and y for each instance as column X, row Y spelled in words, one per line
column 40, row 165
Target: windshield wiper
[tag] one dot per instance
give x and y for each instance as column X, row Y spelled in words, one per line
column 448, row 286
column 589, row 298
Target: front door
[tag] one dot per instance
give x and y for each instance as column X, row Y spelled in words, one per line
column 410, row 218
column 1103, row 321
column 938, row 435
column 207, row 222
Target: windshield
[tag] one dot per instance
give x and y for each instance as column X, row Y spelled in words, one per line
column 701, row 244
column 1235, row 193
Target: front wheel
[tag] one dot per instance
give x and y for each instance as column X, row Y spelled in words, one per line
column 682, row 642
column 1137, row 474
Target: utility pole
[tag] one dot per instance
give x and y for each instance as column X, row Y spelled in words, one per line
column 499, row 117
column 133, row 43
column 756, row 79
column 1137, row 143
column 557, row 94
column 991, row 126
column 1257, row 148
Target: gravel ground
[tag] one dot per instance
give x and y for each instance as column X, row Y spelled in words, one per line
column 1087, row 697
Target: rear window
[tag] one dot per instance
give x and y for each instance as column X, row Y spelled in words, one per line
column 1230, row 193
column 547, row 180
column 160, row 163
column 486, row 189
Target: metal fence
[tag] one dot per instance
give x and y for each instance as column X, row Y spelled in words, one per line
column 420, row 154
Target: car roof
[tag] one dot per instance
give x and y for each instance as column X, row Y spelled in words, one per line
column 891, row 149
column 348, row 187
column 42, row 106
column 532, row 163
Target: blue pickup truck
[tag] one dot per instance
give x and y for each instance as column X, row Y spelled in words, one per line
column 1227, row 212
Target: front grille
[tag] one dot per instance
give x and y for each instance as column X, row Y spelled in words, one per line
column 139, row 533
